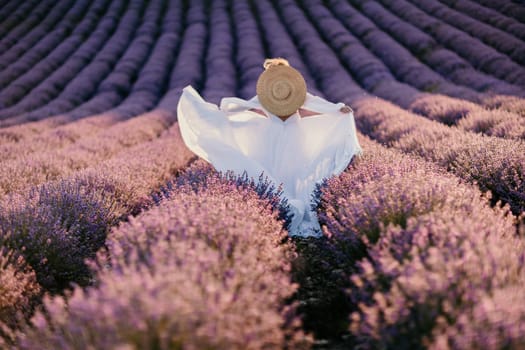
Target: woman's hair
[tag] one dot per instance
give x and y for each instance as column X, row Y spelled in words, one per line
column 275, row 62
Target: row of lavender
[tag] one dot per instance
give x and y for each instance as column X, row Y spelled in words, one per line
column 496, row 58
column 383, row 60
column 491, row 16
column 66, row 149
column 470, row 161
column 410, row 64
column 56, row 225
column 38, row 19
column 428, row 262
column 58, row 45
column 60, row 150
column 104, row 177
column 62, row 65
column 97, row 83
column 207, row 268
column 389, row 70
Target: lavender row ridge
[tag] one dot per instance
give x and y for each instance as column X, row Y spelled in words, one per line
column 11, row 15
column 57, row 42
column 38, row 17
column 230, row 278
column 478, row 54
column 404, row 257
column 377, row 78
column 499, row 40
column 50, row 76
column 489, row 16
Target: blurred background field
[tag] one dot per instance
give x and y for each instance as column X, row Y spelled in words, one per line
column 113, row 235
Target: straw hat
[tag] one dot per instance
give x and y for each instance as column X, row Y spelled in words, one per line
column 281, row 89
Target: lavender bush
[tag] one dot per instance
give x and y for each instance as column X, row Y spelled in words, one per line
column 380, row 188
column 141, row 170
column 58, row 225
column 502, row 124
column 510, row 103
column 197, row 177
column 495, row 322
column 18, row 289
column 421, row 279
column 203, row 269
column 428, row 246
column 492, row 163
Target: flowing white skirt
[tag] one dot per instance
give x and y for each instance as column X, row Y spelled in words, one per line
column 297, row 153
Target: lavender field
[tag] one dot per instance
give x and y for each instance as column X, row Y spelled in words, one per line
column 114, row 235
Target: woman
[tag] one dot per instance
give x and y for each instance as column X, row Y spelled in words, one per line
column 285, row 133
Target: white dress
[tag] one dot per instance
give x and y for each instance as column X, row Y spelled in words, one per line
column 297, row 153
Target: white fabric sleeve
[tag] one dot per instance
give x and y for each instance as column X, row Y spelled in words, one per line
column 207, row 132
column 199, row 122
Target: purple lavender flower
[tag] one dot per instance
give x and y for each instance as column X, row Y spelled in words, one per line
column 58, row 225
column 492, row 163
column 202, row 269
column 420, row 280
column 19, row 289
column 494, row 322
